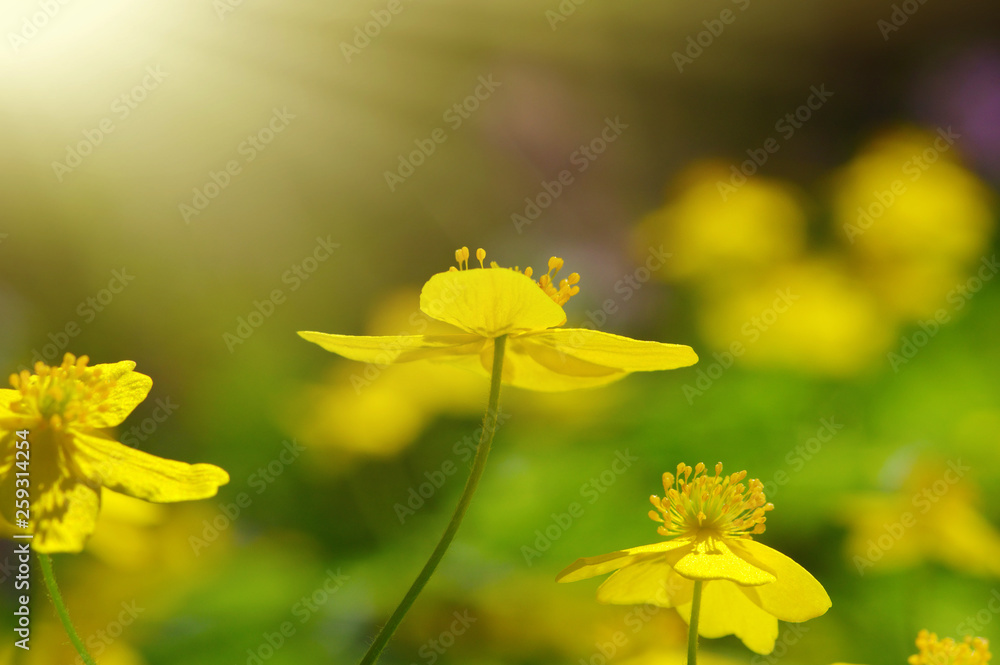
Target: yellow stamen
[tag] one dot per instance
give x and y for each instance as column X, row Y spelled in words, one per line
column 970, row 651
column 566, row 289
column 702, row 505
column 462, row 258
column 61, row 395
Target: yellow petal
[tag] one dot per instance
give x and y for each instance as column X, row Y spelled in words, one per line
column 8, row 396
column 725, row 610
column 490, row 302
column 385, row 350
column 522, row 368
column 10, row 421
column 66, row 518
column 142, row 475
column 712, row 559
column 129, row 390
column 795, row 596
column 7, row 450
column 647, row 581
column 607, row 350
column 64, row 508
column 586, row 567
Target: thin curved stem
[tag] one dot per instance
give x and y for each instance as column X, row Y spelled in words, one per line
column 485, row 441
column 57, row 601
column 693, row 627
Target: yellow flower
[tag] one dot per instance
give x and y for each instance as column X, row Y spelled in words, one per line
column 810, row 316
column 970, row 651
column 717, row 236
column 486, row 303
column 66, row 410
column 932, row 516
column 747, row 586
column 914, row 217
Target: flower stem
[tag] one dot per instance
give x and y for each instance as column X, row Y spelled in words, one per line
column 485, row 441
column 693, row 627
column 57, row 601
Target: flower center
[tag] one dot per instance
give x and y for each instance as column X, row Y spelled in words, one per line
column 970, row 651
column 700, row 505
column 63, row 394
column 560, row 293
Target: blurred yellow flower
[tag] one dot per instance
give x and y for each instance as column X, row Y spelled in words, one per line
column 714, row 236
column 811, row 315
column 710, row 520
column 913, row 224
column 914, row 216
column 678, row 656
column 66, row 410
column 487, row 303
column 970, row 651
column 930, row 517
column 933, row 651
column 373, row 413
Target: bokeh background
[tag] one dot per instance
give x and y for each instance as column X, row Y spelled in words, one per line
column 812, row 182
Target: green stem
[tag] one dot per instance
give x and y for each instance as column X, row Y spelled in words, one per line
column 57, row 601
column 693, row 627
column 485, row 441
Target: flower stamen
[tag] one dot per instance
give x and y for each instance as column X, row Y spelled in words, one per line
column 699, row 504
column 62, row 394
column 560, row 291
column 970, row 651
